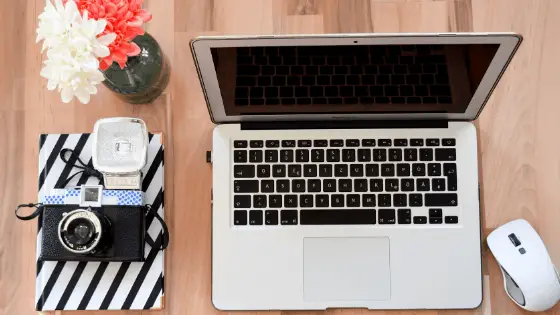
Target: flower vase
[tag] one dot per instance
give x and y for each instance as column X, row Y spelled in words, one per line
column 144, row 77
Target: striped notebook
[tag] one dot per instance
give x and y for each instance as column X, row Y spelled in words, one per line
column 100, row 285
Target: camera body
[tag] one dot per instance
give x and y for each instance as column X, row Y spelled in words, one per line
column 90, row 223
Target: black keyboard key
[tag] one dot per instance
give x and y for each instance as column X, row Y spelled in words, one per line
column 400, row 142
column 344, row 185
column 325, row 170
column 434, row 169
column 322, row 201
column 271, row 156
column 356, row 170
column 341, row 170
column 375, row 185
column 302, row 155
column 449, row 169
column 395, row 155
column 242, row 201
column 368, row 200
column 337, row 200
column 243, row 171
column 384, row 200
column 438, row 184
column 410, row 154
column 368, row 142
column 298, row 185
column 256, row 143
column 418, row 169
column 336, row 143
column 407, row 184
column 372, row 170
column 290, row 201
column 304, row 143
column 272, row 143
column 338, row 217
column 417, row 142
column 283, row 185
column 317, row 155
column 271, row 217
column 255, row 217
column 240, row 217
column 267, row 186
column 352, row 142
column 329, row 185
column 392, row 184
column 259, row 201
column 360, row 185
column 441, row 200
column 310, row 170
column 403, row 170
column 404, row 216
column 275, row 201
column 255, row 156
column 353, row 200
column 239, row 156
column 423, row 184
column 306, row 201
column 245, row 186
column 320, row 143
column 452, row 182
column 289, row 217
column 384, row 142
column 364, row 155
column 240, row 144
column 435, row 213
column 451, row 219
column 387, row 170
column 286, row 156
column 448, row 142
column 278, row 170
column 432, row 142
column 348, row 155
column 446, row 155
column 420, row 220
column 415, row 200
column 263, row 171
column 387, row 216
column 426, row 154
column 314, row 185
column 333, row 155
column 288, row 143
column 380, row 155
column 435, row 220
column 399, row 200
column 294, row 170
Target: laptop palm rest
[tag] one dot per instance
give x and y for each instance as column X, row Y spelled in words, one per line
column 346, row 269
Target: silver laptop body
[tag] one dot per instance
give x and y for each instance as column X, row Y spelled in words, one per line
column 345, row 170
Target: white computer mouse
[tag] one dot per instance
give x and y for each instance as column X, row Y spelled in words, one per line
column 530, row 278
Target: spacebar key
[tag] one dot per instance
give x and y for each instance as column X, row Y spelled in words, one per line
column 337, row 217
column 441, row 200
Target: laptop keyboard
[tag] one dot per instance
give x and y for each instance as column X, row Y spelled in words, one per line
column 344, row 182
column 396, row 74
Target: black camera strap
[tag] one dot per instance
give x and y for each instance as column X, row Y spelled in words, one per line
column 36, row 213
column 165, row 236
column 78, row 163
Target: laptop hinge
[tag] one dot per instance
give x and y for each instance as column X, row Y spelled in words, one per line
column 347, row 124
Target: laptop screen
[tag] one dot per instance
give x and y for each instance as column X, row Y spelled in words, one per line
column 350, row 79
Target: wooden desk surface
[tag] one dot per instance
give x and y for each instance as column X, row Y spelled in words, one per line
column 518, row 129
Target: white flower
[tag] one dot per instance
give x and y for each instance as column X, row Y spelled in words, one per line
column 73, row 50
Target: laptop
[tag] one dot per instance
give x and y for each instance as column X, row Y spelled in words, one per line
column 345, row 169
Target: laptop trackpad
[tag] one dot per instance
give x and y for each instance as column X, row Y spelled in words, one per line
column 346, row 269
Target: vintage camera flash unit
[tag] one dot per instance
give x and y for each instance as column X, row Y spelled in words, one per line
column 120, row 147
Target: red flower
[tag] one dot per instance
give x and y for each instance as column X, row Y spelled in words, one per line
column 125, row 19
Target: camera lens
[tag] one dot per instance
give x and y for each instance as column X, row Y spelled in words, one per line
column 83, row 231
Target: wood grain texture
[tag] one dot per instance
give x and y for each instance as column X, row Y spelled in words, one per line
column 519, row 153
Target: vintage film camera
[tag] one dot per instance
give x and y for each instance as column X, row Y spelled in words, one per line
column 102, row 223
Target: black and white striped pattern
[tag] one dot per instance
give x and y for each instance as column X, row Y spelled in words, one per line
column 99, row 285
